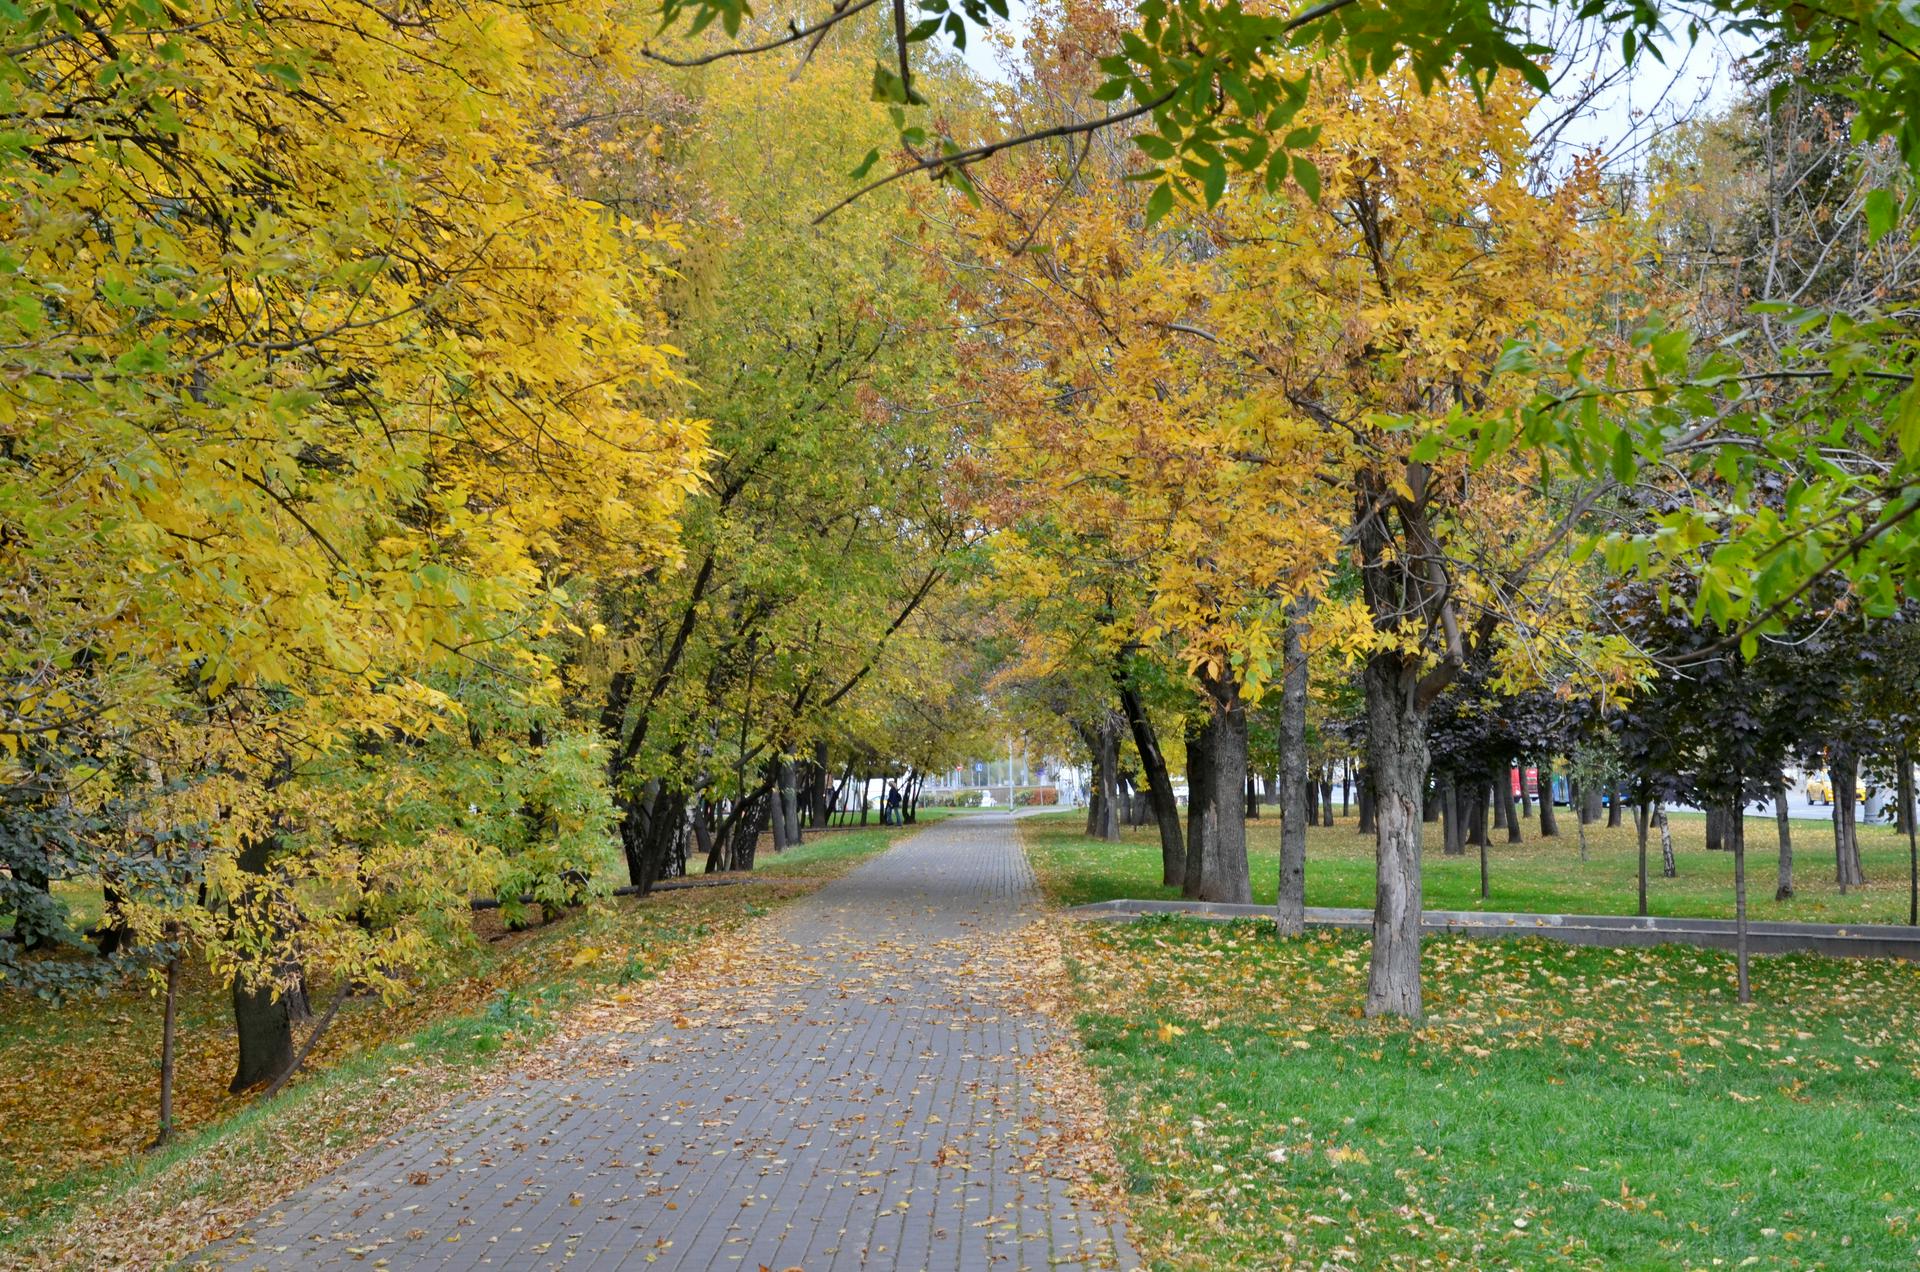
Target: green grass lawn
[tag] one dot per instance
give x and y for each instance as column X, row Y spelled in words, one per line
column 1542, row 875
column 1563, row 1107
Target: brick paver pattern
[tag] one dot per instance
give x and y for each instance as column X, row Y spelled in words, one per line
column 872, row 1107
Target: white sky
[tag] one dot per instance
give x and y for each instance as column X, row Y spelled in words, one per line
column 1620, row 123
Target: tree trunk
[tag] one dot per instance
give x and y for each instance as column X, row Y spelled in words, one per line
column 168, row 1032
column 1667, row 868
column 1526, row 792
column 1716, row 829
column 1217, row 833
column 1106, row 745
column 1499, row 786
column 1784, row 889
column 1397, row 769
column 1589, row 802
column 1642, row 814
column 1313, row 801
column 1365, row 793
column 1503, row 795
column 1290, row 917
column 1845, row 769
column 776, row 811
column 260, row 1019
column 1346, row 787
column 1738, row 834
column 1326, row 797
column 1549, row 825
column 1431, row 804
column 818, row 794
column 1913, row 844
column 1613, row 807
column 790, row 802
column 1478, row 797
column 1253, row 800
column 1452, row 841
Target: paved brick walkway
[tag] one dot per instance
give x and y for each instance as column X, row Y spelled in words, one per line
column 855, row 1100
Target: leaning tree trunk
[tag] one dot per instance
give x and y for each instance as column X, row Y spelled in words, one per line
column 1845, row 768
column 1397, row 769
column 1153, row 765
column 1217, row 832
column 261, row 1021
column 1290, row 913
column 1783, row 890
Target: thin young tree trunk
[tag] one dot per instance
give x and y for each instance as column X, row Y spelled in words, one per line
column 1483, row 867
column 1290, row 916
column 306, row 1048
column 1642, row 814
column 1739, row 836
column 1346, row 787
column 1668, row 869
column 168, row 1032
column 1580, row 824
column 1549, row 825
column 1907, row 814
column 1783, row 890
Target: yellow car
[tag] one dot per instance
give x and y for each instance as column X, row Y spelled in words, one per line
column 1819, row 789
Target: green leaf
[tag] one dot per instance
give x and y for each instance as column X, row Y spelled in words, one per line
column 1159, row 203
column 1307, row 176
column 866, row 165
column 1882, row 211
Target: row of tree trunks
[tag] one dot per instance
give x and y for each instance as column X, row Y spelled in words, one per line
column 1102, row 740
column 1843, row 766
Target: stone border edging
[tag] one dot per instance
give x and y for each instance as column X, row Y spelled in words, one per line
column 1845, row 940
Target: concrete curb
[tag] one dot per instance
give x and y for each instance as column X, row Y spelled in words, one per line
column 1612, row 930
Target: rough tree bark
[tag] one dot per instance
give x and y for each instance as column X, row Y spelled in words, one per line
column 1844, row 766
column 1216, row 830
column 1397, row 768
column 261, row 1021
column 1668, row 869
